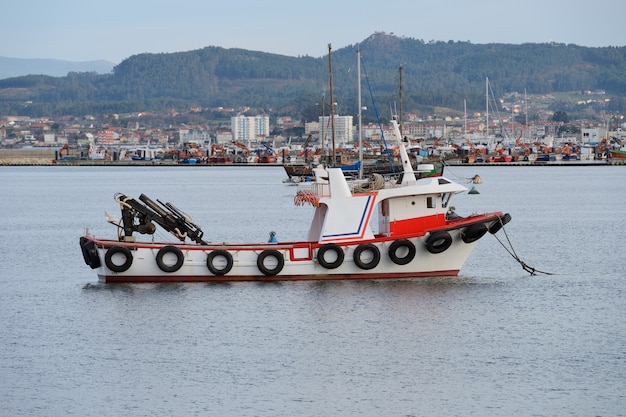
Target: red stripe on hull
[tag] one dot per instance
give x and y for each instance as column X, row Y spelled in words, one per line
column 125, row 279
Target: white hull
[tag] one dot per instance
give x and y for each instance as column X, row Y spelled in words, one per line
column 299, row 262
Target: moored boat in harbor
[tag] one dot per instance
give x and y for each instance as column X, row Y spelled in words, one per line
column 618, row 153
column 306, row 172
column 418, row 234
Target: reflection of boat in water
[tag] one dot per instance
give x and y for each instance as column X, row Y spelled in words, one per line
column 406, row 229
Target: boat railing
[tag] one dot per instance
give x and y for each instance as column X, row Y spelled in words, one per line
column 321, row 189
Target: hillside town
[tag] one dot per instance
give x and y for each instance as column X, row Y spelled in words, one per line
column 239, row 137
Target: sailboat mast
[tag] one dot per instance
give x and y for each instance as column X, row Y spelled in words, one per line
column 400, row 99
column 527, row 137
column 332, row 105
column 358, row 72
column 487, row 106
column 465, row 117
column 323, row 122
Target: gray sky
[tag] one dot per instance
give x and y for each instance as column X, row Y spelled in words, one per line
column 82, row 30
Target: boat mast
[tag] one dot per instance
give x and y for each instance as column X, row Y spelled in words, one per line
column 400, row 99
column 487, row 106
column 527, row 136
column 465, row 117
column 323, row 134
column 332, row 105
column 358, row 72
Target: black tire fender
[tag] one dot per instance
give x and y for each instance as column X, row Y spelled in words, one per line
column 438, row 242
column 366, row 248
column 90, row 253
column 180, row 258
column 217, row 271
column 330, row 247
column 499, row 223
column 108, row 258
column 473, row 232
column 398, row 245
column 260, row 262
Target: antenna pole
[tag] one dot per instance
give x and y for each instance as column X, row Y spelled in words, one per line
column 332, row 104
column 358, row 71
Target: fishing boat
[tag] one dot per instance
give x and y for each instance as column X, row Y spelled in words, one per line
column 303, row 173
column 418, row 234
column 618, row 153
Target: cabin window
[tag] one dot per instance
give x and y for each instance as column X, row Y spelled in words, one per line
column 445, row 199
column 430, row 202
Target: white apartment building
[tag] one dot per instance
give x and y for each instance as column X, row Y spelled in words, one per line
column 344, row 130
column 595, row 134
column 311, row 128
column 250, row 128
column 224, row 136
column 197, row 136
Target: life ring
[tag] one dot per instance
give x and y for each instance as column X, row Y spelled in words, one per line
column 180, row 258
column 404, row 245
column 330, row 247
column 108, row 259
column 224, row 254
column 473, row 232
column 498, row 224
column 438, row 242
column 366, row 248
column 280, row 262
column 90, row 253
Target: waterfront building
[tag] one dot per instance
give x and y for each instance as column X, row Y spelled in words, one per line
column 250, row 128
column 344, row 129
column 106, row 137
column 197, row 136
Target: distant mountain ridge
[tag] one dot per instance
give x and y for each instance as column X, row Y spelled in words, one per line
column 17, row 67
column 435, row 74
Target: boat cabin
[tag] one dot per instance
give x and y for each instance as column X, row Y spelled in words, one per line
column 414, row 206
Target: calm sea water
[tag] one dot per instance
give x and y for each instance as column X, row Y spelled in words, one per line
column 495, row 341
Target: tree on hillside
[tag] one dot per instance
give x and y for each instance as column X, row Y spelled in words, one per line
column 560, row 116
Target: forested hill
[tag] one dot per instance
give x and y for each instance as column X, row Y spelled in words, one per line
column 434, row 74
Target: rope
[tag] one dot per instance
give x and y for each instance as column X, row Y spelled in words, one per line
column 303, row 197
column 475, row 179
column 122, row 201
column 374, row 182
column 511, row 251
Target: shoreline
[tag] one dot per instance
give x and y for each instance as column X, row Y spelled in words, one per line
column 48, row 157
column 592, row 162
column 172, row 163
column 87, row 162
